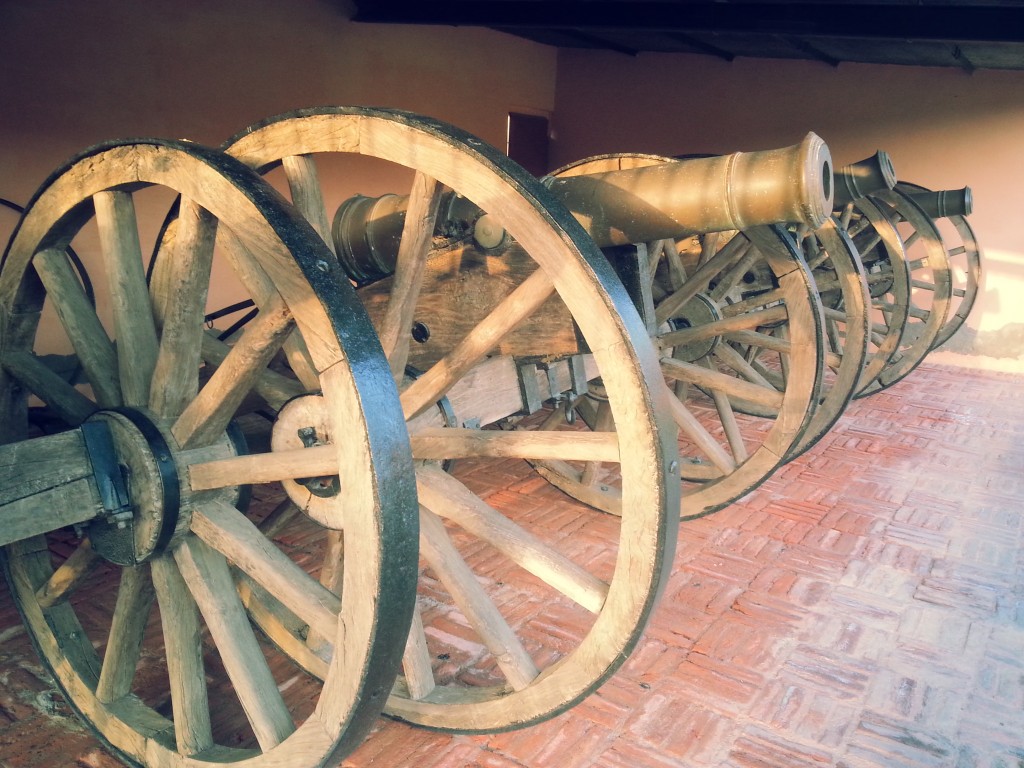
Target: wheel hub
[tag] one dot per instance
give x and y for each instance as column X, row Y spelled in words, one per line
column 138, row 482
column 698, row 311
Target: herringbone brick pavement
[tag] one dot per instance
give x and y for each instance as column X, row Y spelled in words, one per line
column 862, row 609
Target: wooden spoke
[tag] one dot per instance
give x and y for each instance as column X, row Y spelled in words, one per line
column 208, row 579
column 263, row 292
column 135, row 597
column 83, row 328
column 307, row 196
column 734, row 360
column 69, row 576
column 229, row 532
column 332, row 574
column 704, row 440
column 179, row 618
column 729, row 280
column 439, row 552
column 762, row 299
column 208, row 414
column 447, row 497
column 698, row 281
column 747, row 321
column 419, row 677
column 252, row 469
column 417, row 234
column 134, row 327
column 761, row 392
column 519, row 304
column 435, row 443
column 605, row 422
column 185, row 283
column 70, row 405
column 728, row 418
column 275, row 388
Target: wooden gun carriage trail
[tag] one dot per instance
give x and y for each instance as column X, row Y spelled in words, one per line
column 654, row 335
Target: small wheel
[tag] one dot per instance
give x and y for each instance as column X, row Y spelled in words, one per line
column 190, row 683
column 965, row 266
column 738, row 323
column 930, row 284
column 464, row 313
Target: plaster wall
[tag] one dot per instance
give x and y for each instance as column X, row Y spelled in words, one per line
column 73, row 74
column 943, row 128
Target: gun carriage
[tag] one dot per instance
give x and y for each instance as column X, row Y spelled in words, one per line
column 472, row 320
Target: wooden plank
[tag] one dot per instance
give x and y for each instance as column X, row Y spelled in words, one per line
column 69, row 504
column 460, row 286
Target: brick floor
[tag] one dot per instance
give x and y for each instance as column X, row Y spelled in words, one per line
column 864, row 608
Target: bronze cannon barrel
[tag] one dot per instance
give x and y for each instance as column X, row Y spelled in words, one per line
column 707, row 194
column 668, row 200
column 947, row 202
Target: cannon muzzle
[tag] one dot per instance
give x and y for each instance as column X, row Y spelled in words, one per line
column 860, row 179
column 791, row 185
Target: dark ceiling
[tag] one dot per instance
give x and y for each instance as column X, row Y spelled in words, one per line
column 967, row 35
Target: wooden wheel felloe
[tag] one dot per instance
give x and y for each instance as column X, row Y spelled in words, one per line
column 136, row 613
column 463, row 313
column 964, row 260
column 930, row 287
column 738, row 323
column 841, row 283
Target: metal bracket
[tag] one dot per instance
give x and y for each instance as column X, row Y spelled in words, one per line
column 110, row 480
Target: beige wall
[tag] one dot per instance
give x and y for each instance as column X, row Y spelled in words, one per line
column 942, row 127
column 75, row 73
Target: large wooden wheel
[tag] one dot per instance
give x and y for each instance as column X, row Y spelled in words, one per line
column 738, row 324
column 965, row 265
column 462, row 316
column 930, row 292
column 135, row 610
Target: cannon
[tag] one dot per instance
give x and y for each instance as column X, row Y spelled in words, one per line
column 390, row 359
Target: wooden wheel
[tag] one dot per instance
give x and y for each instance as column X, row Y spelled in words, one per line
column 739, row 327
column 463, row 314
column 928, row 299
column 964, row 262
column 841, row 282
column 135, row 610
column 887, row 272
